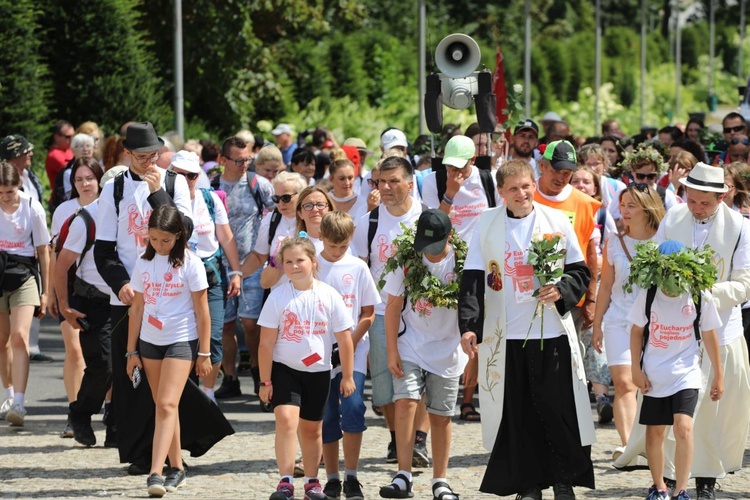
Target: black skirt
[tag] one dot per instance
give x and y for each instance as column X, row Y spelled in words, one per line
column 538, row 443
column 202, row 424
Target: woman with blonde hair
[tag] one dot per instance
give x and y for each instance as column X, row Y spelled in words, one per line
column 737, row 196
column 642, row 210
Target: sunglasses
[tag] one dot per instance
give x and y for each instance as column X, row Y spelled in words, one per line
column 738, row 128
column 286, row 198
column 373, row 183
column 743, row 140
column 190, row 175
column 643, row 177
column 638, row 186
column 319, row 205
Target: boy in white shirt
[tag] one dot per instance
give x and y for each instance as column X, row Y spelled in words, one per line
column 351, row 277
column 669, row 375
column 424, row 356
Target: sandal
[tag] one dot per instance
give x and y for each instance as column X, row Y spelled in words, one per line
column 444, row 495
column 376, row 410
column 393, row 490
column 472, row 415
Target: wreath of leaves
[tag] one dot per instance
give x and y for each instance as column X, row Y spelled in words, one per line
column 685, row 271
column 649, row 153
column 419, row 283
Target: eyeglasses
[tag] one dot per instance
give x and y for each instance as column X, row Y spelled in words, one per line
column 730, row 187
column 738, row 128
column 373, row 183
column 239, row 161
column 643, row 177
column 142, row 160
column 638, row 186
column 190, row 175
column 737, row 140
column 310, row 206
column 85, row 180
column 286, row 198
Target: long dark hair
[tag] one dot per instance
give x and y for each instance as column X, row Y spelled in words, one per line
column 168, row 219
column 93, row 165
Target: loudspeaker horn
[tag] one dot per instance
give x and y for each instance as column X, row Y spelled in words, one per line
column 457, row 55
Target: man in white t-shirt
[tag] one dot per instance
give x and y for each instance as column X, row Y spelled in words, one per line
column 121, row 237
column 425, row 356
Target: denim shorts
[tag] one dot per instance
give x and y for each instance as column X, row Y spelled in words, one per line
column 380, row 375
column 216, row 300
column 249, row 303
column 344, row 414
column 440, row 392
column 186, row 349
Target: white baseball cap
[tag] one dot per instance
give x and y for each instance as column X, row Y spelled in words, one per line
column 393, row 138
column 282, row 128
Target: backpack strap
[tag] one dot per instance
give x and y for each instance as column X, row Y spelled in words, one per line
column 275, row 221
column 209, row 200
column 441, row 182
column 169, row 181
column 90, row 231
column 650, row 296
column 252, row 184
column 697, row 322
column 372, row 228
column 119, row 189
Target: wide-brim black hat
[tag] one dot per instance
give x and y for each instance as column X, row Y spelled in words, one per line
column 142, row 138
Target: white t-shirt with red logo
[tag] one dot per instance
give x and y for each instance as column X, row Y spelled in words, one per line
column 307, row 321
column 431, row 338
column 351, row 278
column 672, row 357
column 203, row 241
column 168, row 313
column 25, row 229
column 468, row 204
column 76, row 242
column 389, row 227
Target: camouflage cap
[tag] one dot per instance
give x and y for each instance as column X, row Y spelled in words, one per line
column 14, row 146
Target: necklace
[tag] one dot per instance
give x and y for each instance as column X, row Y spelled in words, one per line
column 342, row 199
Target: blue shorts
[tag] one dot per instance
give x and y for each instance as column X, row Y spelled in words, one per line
column 216, row 300
column 380, row 375
column 249, row 303
column 344, row 414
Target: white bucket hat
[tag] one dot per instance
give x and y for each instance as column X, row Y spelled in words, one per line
column 705, row 178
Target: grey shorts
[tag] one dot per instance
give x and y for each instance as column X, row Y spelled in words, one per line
column 440, row 392
column 187, row 350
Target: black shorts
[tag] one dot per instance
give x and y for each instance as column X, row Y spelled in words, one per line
column 307, row 390
column 661, row 411
column 186, row 350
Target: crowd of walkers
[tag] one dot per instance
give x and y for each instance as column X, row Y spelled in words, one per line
column 525, row 265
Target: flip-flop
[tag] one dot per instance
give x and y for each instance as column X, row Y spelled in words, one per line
column 470, row 416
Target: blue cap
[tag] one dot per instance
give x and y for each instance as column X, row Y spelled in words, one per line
column 671, row 246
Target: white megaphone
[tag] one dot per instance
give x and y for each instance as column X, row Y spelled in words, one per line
column 457, row 56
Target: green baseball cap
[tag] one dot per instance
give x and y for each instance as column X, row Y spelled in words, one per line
column 561, row 155
column 459, row 150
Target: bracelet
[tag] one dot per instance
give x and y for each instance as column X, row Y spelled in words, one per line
column 272, row 261
column 449, row 201
column 205, row 354
column 131, row 353
column 234, row 273
column 267, row 383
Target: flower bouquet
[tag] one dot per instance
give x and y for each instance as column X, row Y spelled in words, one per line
column 545, row 256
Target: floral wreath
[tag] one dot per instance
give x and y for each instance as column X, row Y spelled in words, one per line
column 647, row 153
column 685, row 271
column 419, row 283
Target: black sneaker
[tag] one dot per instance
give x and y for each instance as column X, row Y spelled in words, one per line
column 175, row 478
column 230, row 388
column 704, row 488
column 244, row 366
column 353, row 489
column 391, row 457
column 530, row 494
column 671, row 485
column 604, row 409
column 40, row 357
column 332, row 489
column 564, row 492
column 82, row 432
column 155, row 485
column 419, row 457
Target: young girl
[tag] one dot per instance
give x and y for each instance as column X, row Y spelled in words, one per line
column 170, row 322
column 23, row 230
column 298, row 324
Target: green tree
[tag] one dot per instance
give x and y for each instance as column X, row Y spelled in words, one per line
column 24, row 84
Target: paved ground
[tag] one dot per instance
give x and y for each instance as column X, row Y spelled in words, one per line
column 35, row 462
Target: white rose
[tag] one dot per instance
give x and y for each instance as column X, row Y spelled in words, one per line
column 517, row 88
column 537, row 237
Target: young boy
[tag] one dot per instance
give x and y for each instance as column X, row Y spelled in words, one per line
column 424, row 355
column 352, row 279
column 670, row 376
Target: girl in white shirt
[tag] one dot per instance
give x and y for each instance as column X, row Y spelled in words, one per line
column 170, row 324
column 23, row 230
column 299, row 323
column 343, row 193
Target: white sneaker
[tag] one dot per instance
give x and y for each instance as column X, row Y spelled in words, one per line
column 5, row 407
column 16, row 415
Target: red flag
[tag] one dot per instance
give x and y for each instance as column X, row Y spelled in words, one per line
column 498, row 87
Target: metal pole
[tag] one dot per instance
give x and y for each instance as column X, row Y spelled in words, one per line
column 179, row 95
column 527, row 60
column 740, row 62
column 643, row 63
column 711, row 34
column 598, row 64
column 677, row 61
column 422, row 63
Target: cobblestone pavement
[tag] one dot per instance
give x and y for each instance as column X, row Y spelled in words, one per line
column 36, row 462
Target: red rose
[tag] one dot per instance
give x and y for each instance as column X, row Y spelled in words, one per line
column 542, row 148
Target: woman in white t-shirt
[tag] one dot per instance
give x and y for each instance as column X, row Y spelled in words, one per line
column 642, row 210
column 343, row 178
column 312, row 204
column 299, row 323
column 23, row 231
column 85, row 174
column 169, row 318
column 211, row 237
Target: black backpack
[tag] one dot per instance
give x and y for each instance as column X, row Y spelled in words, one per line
column 58, row 194
column 441, row 179
column 119, row 188
column 372, row 228
column 650, row 295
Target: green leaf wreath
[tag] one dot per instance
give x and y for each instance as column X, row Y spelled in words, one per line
column 418, row 282
column 685, row 271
